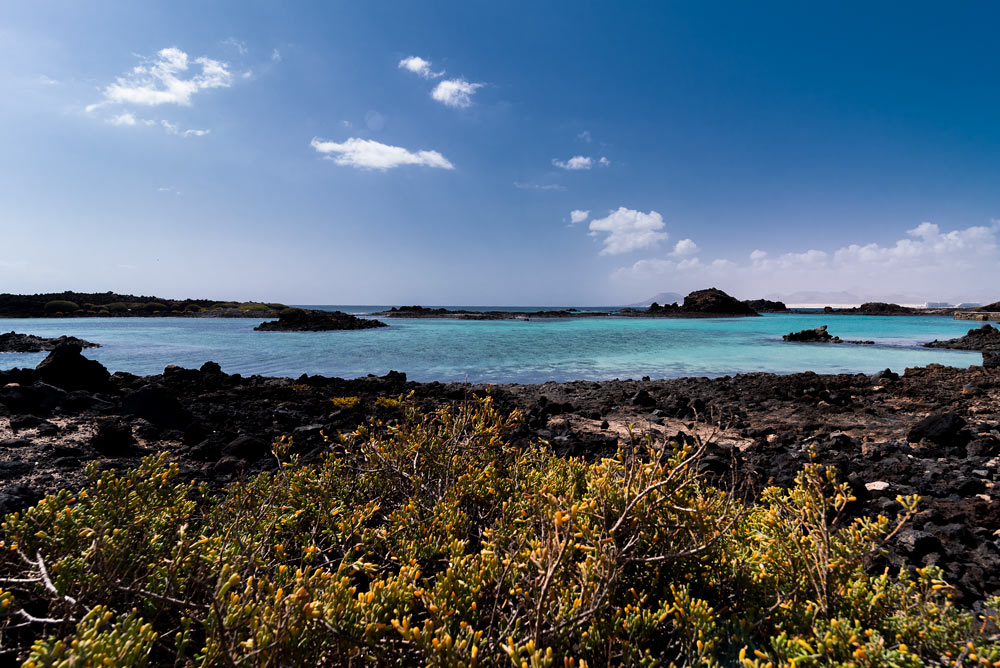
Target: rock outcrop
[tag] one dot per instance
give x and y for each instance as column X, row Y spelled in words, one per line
column 815, row 335
column 12, row 342
column 301, row 320
column 715, row 301
column 986, row 337
column 766, row 305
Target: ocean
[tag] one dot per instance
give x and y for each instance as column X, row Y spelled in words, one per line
column 508, row 351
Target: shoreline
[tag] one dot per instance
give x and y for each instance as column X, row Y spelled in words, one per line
column 218, row 428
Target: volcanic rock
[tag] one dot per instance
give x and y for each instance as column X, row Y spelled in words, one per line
column 715, row 301
column 941, row 429
column 155, row 404
column 766, row 305
column 65, row 367
column 986, row 337
column 816, row 335
column 12, row 342
column 301, row 320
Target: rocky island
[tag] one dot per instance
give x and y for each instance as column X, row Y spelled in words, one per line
column 12, row 342
column 818, row 335
column 109, row 304
column 302, row 320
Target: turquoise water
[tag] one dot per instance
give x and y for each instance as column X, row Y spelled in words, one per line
column 509, row 351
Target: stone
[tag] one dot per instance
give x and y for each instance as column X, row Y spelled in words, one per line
column 945, row 429
column 156, row 405
column 66, row 368
column 246, row 447
column 113, row 438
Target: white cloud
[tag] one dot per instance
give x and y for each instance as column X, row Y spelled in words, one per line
column 684, row 248
column 239, row 45
column 578, row 162
column 455, row 92
column 575, row 163
column 161, row 81
column 578, row 216
column 169, row 189
column 420, row 67
column 276, row 56
column 47, row 81
column 539, row 186
column 928, row 264
column 585, row 136
column 174, row 130
column 125, row 118
column 368, row 154
column 629, row 230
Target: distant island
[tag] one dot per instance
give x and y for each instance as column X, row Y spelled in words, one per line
column 111, row 304
column 708, row 303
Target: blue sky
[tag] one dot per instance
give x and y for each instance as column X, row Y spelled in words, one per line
column 435, row 152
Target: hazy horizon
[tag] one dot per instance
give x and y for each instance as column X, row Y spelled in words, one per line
column 460, row 153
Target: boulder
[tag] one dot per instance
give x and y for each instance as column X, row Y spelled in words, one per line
column 114, row 439
column 945, row 429
column 38, row 399
column 65, row 367
column 246, row 447
column 155, row 404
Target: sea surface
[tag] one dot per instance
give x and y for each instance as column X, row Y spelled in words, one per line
column 506, row 351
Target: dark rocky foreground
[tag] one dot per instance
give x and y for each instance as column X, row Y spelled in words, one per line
column 933, row 431
column 12, row 342
column 301, row 320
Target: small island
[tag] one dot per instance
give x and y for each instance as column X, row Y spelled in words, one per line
column 302, row 320
column 12, row 342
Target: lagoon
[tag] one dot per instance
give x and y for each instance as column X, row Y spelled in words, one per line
column 509, row 351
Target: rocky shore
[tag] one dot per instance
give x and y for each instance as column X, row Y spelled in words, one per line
column 934, row 431
column 984, row 338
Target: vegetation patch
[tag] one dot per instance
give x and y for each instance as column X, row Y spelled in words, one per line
column 431, row 540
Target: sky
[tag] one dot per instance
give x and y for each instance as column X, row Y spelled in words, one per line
column 574, row 153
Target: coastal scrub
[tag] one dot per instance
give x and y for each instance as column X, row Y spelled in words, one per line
column 431, row 540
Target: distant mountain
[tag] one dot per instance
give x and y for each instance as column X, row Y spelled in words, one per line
column 662, row 298
column 816, row 297
column 844, row 298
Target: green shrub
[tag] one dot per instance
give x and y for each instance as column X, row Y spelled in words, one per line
column 433, row 540
column 253, row 306
column 117, row 307
column 345, row 402
column 193, row 308
column 291, row 312
column 276, row 307
column 61, row 306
